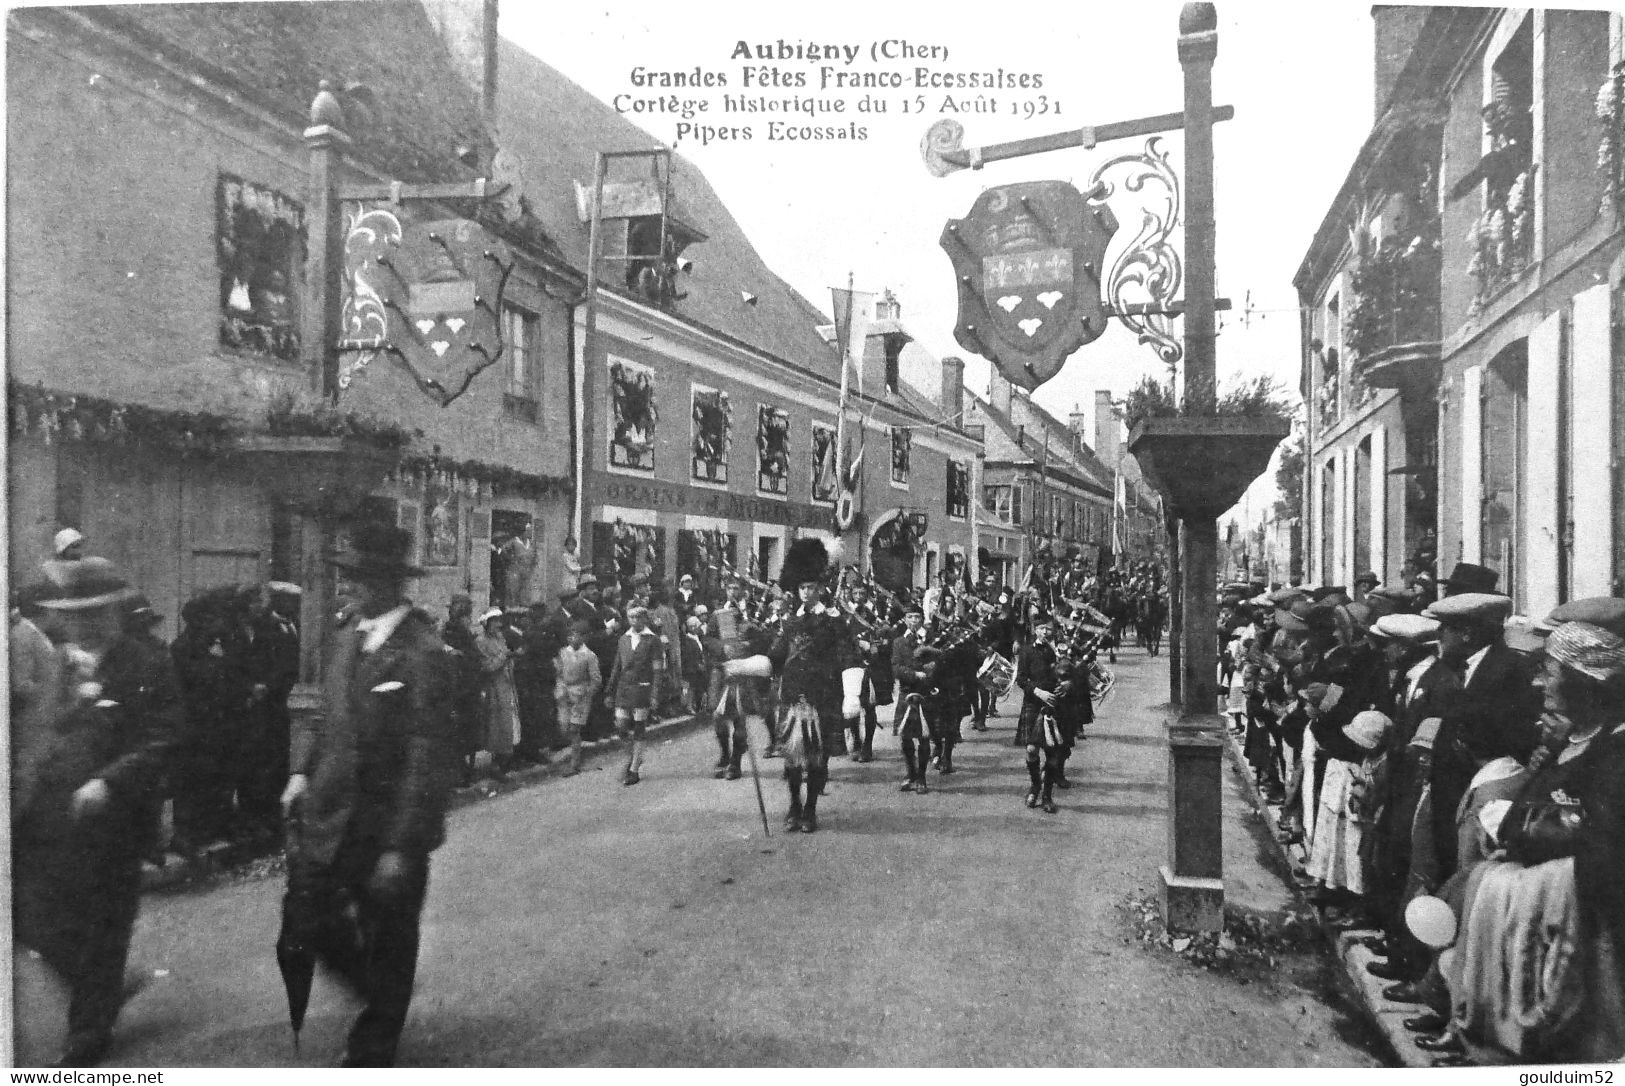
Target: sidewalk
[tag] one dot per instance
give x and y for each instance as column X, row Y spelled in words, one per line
column 1388, row 1017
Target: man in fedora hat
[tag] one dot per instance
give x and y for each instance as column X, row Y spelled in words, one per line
column 88, row 756
column 368, row 790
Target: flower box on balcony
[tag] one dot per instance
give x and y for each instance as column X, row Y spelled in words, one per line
column 1409, row 367
column 1203, row 465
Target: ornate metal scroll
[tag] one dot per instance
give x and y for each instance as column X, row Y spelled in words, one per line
column 369, row 233
column 1147, row 267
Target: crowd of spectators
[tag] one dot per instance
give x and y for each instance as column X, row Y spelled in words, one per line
column 1456, row 776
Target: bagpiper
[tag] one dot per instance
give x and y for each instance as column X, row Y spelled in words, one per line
column 873, row 636
column 819, row 681
column 953, row 692
column 914, row 673
column 738, row 699
column 1039, row 730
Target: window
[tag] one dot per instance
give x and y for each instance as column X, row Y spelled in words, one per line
column 1328, row 520
column 1504, row 234
column 1003, row 500
column 772, row 450
column 1331, row 366
column 824, row 482
column 633, row 416
column 628, row 552
column 958, row 497
column 894, row 349
column 711, row 437
column 521, row 333
column 1505, row 442
column 1361, row 513
column 260, row 248
column 901, row 441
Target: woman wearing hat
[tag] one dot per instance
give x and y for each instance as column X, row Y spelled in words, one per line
column 501, row 695
column 1536, row 970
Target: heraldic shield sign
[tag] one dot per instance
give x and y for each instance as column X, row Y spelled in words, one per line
column 428, row 293
column 1028, row 261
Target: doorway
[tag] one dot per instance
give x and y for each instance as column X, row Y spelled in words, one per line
column 512, row 557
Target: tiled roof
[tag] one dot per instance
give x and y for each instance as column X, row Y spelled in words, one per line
column 1063, row 454
column 273, row 55
column 557, row 128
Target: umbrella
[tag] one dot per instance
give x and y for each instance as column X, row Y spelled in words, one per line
column 298, row 965
column 295, row 944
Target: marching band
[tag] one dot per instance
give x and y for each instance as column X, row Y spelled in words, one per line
column 812, row 660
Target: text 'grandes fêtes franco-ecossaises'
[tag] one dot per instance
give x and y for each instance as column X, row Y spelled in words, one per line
column 783, row 90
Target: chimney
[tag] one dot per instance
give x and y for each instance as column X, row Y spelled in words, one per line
column 1397, row 28
column 887, row 308
column 469, row 30
column 1108, row 429
column 1078, row 423
column 953, row 391
column 999, row 393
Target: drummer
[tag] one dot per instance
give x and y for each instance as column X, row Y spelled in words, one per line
column 992, row 680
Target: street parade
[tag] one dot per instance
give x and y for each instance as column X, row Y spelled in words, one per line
column 543, row 538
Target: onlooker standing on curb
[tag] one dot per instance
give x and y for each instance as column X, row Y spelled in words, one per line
column 501, row 699
column 464, row 677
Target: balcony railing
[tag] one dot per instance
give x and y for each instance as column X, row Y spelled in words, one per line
column 1394, row 323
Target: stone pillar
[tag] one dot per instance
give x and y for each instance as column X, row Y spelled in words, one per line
column 1198, row 567
column 325, row 141
column 1192, row 881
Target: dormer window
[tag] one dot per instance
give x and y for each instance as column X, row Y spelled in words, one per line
column 894, row 353
column 654, row 250
column 651, row 252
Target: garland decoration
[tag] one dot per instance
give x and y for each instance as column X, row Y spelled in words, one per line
column 60, row 416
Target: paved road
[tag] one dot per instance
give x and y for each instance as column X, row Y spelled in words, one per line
column 582, row 923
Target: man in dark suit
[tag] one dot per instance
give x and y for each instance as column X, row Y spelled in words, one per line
column 1495, row 713
column 368, row 791
column 271, row 665
column 88, row 753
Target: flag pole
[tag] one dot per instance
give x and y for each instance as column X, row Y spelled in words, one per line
column 842, row 334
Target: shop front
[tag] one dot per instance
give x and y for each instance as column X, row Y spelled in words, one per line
column 649, row 528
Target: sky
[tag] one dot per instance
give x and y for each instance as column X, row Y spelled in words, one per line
column 1299, row 76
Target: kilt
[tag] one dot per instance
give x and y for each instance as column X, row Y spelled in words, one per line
column 1039, row 727
column 943, row 715
column 744, row 696
column 913, row 717
column 807, row 741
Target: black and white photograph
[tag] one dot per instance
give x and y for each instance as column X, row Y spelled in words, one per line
column 1141, row 584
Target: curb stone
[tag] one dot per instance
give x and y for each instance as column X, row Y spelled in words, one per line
column 1388, row 1017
